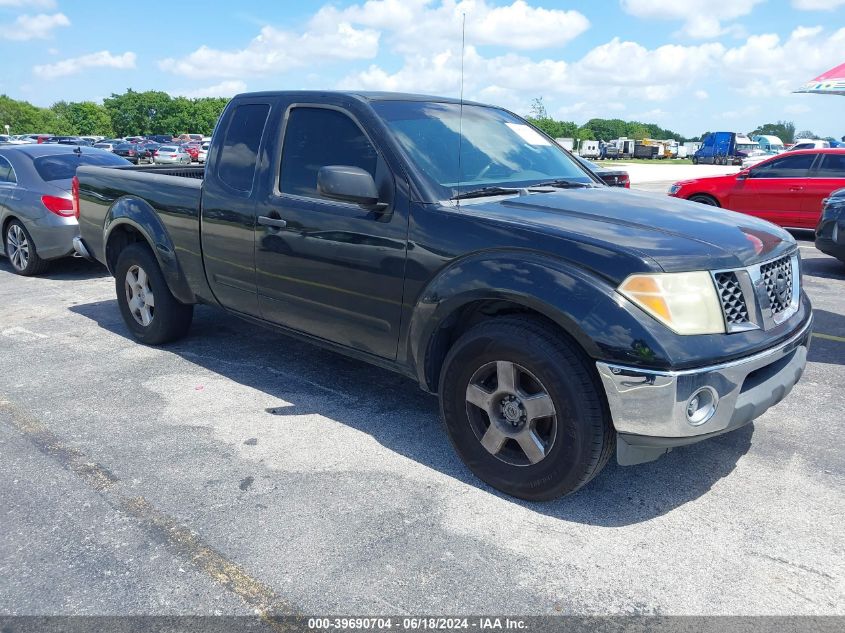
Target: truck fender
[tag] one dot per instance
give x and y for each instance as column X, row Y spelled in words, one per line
column 585, row 306
column 138, row 214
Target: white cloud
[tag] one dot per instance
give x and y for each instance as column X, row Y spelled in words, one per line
column 817, row 5
column 410, row 27
column 741, row 113
column 797, row 108
column 31, row 27
column 653, row 115
column 766, row 65
column 223, row 89
column 702, row 18
column 45, row 5
column 627, row 63
column 619, row 71
column 416, row 25
column 74, row 65
column 276, row 51
column 616, row 71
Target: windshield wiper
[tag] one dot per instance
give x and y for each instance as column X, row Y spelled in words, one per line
column 562, row 183
column 485, row 191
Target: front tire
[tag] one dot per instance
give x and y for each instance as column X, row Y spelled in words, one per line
column 149, row 309
column 20, row 249
column 523, row 409
column 702, row 199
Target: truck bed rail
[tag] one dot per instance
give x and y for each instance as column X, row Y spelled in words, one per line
column 196, row 171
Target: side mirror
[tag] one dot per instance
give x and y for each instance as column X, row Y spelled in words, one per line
column 743, row 174
column 349, row 184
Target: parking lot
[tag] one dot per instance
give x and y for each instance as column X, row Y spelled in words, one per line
column 241, row 471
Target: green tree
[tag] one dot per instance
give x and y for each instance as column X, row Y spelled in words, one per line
column 805, row 134
column 784, row 130
column 637, row 130
column 585, row 134
column 126, row 114
column 85, row 118
column 140, row 113
column 23, row 117
column 206, row 113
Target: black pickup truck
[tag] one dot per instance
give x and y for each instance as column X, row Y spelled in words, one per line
column 556, row 318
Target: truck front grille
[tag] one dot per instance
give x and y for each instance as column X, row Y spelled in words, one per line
column 777, row 277
column 759, row 296
column 732, row 298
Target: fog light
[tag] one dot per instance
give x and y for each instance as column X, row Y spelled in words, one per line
column 701, row 406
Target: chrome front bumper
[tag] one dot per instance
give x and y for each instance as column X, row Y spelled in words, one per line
column 650, row 408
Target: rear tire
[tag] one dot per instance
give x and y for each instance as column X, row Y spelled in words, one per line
column 523, row 408
column 21, row 251
column 695, row 160
column 149, row 309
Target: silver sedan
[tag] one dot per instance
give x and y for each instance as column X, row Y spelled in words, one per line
column 37, row 215
column 171, row 155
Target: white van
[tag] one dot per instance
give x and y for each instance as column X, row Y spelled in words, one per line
column 589, row 149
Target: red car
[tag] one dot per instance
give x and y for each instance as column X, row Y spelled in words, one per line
column 193, row 150
column 786, row 189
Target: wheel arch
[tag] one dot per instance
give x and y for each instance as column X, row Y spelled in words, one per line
column 130, row 220
column 4, row 225
column 583, row 307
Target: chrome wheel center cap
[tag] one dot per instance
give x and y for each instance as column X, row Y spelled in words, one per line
column 513, row 411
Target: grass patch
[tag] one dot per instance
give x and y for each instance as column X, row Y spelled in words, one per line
column 644, row 161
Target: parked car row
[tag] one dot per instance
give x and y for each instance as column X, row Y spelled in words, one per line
column 150, row 151
column 28, row 139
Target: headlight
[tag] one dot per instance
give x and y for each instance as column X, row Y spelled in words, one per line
column 833, row 207
column 685, row 302
column 674, row 189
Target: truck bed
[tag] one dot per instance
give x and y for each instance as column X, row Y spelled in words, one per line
column 172, row 194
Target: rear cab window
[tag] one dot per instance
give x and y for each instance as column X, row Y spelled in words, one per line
column 239, row 149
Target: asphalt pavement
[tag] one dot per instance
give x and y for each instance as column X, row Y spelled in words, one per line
column 239, row 471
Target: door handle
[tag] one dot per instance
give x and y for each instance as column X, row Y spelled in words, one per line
column 796, row 188
column 276, row 223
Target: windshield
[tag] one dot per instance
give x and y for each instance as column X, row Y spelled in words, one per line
column 496, row 147
column 63, row 166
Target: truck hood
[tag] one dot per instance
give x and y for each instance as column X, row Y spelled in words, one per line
column 675, row 234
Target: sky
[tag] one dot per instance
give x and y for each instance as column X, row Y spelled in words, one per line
column 687, row 65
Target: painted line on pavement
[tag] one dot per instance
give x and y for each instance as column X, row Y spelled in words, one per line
column 829, row 337
column 276, row 612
